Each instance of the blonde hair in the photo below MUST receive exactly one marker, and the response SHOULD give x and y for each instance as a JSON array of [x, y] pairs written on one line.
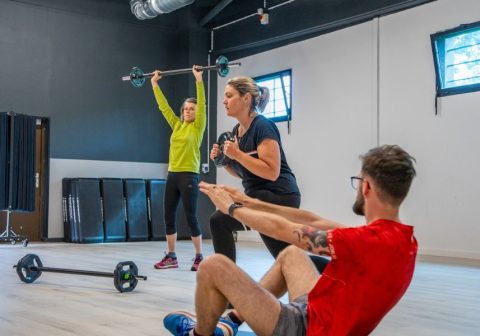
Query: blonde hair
[[188, 100], [260, 94]]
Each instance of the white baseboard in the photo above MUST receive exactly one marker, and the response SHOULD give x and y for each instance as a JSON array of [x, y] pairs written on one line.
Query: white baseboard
[[449, 253]]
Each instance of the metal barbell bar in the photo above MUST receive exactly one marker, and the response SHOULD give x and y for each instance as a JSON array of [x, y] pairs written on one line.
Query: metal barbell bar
[[222, 66], [30, 267]]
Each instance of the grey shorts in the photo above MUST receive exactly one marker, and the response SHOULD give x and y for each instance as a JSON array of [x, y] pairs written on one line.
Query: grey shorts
[[293, 318]]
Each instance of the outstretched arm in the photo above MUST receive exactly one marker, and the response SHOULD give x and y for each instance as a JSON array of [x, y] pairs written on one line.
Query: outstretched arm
[[162, 102], [270, 224], [201, 116], [306, 237], [293, 214]]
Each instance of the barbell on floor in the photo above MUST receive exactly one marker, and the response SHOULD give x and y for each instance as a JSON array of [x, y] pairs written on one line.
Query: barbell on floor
[[222, 66], [125, 276]]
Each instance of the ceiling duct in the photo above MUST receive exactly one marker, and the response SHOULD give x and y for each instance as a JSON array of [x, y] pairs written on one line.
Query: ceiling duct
[[148, 9]]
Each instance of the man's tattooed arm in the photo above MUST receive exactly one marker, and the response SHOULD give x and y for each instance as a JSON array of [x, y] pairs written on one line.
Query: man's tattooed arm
[[312, 240]]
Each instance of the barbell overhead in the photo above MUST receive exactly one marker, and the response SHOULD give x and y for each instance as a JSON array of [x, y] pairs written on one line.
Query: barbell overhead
[[125, 276], [222, 66]]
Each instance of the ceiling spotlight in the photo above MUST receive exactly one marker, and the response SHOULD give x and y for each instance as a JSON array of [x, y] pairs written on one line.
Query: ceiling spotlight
[[263, 14]]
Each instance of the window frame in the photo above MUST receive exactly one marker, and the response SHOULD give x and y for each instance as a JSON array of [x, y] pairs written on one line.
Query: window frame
[[438, 64], [274, 75]]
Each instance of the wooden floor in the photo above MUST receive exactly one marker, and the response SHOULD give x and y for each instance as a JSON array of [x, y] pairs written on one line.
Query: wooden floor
[[443, 299]]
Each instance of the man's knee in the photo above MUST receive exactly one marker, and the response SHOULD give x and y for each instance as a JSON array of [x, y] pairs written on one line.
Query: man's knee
[[214, 264], [290, 253]]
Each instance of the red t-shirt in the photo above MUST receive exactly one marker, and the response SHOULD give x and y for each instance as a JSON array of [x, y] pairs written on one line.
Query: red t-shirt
[[370, 270]]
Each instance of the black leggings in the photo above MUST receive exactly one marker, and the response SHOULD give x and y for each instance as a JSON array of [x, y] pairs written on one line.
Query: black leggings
[[222, 227], [184, 185]]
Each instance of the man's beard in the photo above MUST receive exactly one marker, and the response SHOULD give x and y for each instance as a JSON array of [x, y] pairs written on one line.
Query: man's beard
[[359, 205]]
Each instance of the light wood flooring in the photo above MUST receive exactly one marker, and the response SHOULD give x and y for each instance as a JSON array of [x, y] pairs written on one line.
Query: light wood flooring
[[443, 299]]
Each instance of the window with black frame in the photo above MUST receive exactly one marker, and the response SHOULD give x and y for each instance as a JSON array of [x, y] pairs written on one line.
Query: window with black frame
[[456, 54], [279, 84]]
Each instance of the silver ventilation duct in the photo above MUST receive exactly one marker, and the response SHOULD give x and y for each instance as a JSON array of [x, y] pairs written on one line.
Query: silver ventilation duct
[[148, 9]]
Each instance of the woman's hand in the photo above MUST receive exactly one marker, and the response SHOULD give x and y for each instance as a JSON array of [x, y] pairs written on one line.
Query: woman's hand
[[156, 76], [231, 149], [197, 73], [214, 151]]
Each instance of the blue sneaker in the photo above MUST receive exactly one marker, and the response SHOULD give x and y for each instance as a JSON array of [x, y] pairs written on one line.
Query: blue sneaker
[[181, 323]]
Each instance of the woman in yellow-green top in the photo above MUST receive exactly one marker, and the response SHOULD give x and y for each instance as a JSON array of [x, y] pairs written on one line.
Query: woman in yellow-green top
[[183, 166]]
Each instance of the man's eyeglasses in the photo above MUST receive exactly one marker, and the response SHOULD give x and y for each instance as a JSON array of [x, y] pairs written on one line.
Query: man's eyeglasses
[[355, 181]]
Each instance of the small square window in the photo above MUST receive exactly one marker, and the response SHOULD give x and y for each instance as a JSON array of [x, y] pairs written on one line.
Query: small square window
[[456, 54], [279, 85]]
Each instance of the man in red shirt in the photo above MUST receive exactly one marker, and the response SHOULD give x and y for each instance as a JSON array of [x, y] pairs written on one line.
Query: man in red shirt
[[371, 266]]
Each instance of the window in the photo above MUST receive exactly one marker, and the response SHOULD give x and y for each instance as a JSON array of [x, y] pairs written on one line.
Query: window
[[280, 86], [456, 54]]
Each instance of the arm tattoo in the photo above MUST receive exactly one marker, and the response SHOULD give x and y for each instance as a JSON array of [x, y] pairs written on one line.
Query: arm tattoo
[[312, 239]]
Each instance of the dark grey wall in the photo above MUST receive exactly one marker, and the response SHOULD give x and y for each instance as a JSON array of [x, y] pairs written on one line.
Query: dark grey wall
[[64, 60]]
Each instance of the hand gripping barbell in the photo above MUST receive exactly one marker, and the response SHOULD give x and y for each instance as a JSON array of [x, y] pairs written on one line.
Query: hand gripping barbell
[[125, 276], [222, 65]]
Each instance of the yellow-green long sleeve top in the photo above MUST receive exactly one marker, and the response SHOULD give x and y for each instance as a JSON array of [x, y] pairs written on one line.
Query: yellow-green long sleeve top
[[186, 138]]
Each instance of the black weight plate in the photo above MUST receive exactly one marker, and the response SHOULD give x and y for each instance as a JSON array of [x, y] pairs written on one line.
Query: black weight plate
[[137, 77], [222, 66], [24, 268], [125, 276]]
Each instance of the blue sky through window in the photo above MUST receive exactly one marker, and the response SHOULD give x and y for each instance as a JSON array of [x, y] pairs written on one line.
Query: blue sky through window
[[457, 59], [280, 86]]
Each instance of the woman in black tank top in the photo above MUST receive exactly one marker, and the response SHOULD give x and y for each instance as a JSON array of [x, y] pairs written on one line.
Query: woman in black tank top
[[258, 159]]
